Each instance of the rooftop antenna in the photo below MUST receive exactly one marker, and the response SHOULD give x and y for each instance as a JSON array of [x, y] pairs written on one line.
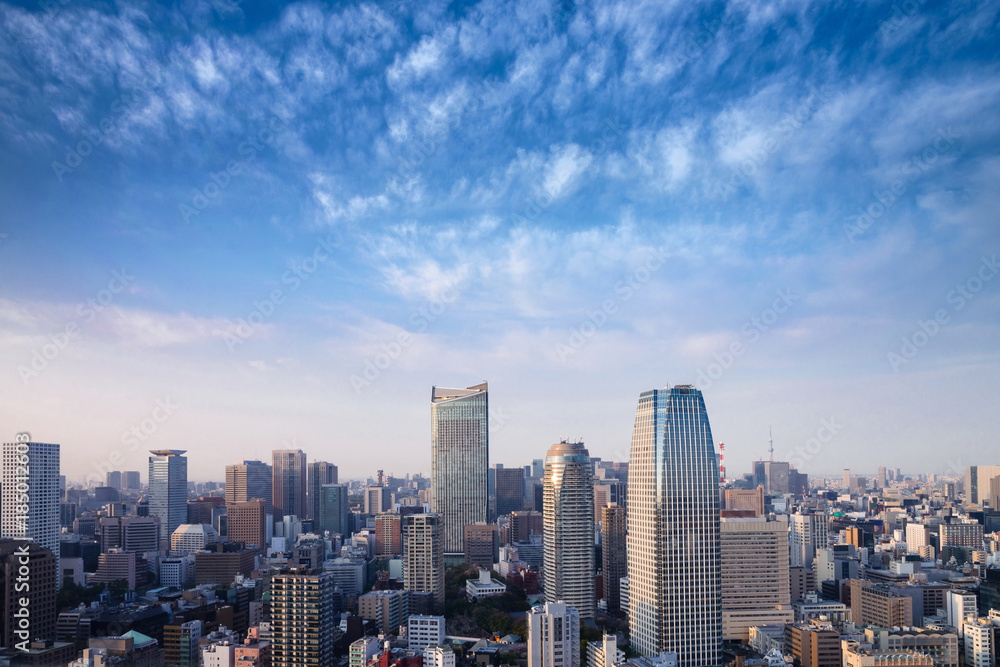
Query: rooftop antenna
[[770, 440]]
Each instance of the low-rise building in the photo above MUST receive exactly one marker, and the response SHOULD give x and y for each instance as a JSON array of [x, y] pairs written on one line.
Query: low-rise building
[[484, 586]]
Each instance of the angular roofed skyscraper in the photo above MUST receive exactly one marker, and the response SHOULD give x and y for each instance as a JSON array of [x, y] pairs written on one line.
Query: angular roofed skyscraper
[[459, 460], [674, 567], [168, 490]]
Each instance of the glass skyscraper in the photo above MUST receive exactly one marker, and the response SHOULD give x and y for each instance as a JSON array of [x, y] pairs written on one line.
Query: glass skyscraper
[[168, 490], [569, 527], [674, 566], [248, 481], [459, 460], [288, 487]]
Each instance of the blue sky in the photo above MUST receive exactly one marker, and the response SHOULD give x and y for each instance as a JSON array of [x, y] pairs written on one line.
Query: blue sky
[[286, 224]]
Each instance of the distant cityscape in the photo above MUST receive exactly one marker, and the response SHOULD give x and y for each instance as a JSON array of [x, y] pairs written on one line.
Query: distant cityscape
[[663, 560]]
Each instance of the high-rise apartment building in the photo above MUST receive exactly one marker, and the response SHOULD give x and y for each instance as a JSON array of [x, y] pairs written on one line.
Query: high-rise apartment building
[[964, 535], [288, 488], [755, 582], [319, 474], [17, 558], [388, 535], [246, 522], [29, 494], [674, 585], [247, 481], [303, 620], [423, 554], [482, 544], [614, 554], [168, 490], [459, 460], [568, 573], [510, 490], [807, 532], [977, 483], [553, 636], [334, 510]]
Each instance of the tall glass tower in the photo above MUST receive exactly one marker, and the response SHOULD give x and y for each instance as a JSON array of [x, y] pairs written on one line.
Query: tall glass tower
[[674, 566], [568, 503], [459, 460], [168, 490], [288, 484]]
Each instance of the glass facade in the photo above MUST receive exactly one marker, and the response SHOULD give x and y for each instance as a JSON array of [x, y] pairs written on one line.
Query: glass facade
[[168, 489], [673, 529], [459, 460]]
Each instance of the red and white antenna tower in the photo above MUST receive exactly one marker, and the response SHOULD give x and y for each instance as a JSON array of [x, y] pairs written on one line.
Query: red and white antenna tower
[[722, 462]]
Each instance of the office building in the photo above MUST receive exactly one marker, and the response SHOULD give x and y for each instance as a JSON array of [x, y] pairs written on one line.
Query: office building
[[614, 554], [303, 620], [288, 484], [180, 643], [423, 631], [879, 605], [856, 656], [131, 480], [246, 522], [674, 568], [959, 605], [193, 537], [117, 565], [129, 533], [755, 582], [248, 481], [977, 483], [423, 554], [745, 499], [334, 510], [459, 460], [438, 656], [348, 574], [941, 646], [41, 603], [980, 642], [482, 544], [802, 580], [168, 490], [553, 636], [114, 479], [387, 609], [221, 563], [29, 504], [962, 535], [813, 644], [510, 490], [377, 499], [521, 526], [318, 474], [807, 532], [568, 573], [363, 650], [605, 652], [917, 537]]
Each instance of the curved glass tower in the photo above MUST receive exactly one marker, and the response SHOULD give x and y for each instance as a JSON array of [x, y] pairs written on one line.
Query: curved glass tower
[[674, 567], [568, 503]]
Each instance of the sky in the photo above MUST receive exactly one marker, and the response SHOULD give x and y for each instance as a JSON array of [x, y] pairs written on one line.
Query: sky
[[231, 227]]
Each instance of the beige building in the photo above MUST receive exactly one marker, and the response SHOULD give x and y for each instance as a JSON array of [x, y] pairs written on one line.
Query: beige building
[[423, 554], [813, 644], [755, 582], [857, 657], [745, 499], [942, 647], [246, 522], [879, 606]]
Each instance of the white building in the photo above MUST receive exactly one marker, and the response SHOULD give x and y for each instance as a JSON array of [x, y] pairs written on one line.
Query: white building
[[438, 656], [363, 650], [959, 605], [623, 593], [193, 537], [222, 654], [979, 642], [604, 653], [917, 537], [424, 631], [553, 636], [806, 534], [29, 494], [484, 586], [176, 571]]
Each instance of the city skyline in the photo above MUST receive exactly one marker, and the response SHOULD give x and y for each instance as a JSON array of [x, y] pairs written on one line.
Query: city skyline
[[287, 218]]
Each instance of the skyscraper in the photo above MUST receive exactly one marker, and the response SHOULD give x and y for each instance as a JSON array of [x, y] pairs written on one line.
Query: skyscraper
[[755, 582], [246, 522], [334, 510], [553, 636], [459, 460], [423, 554], [569, 527], [130, 479], [674, 595], [29, 496], [613, 553], [807, 533], [247, 481], [510, 490], [168, 490], [977, 483], [114, 479], [319, 473], [288, 488], [303, 618]]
